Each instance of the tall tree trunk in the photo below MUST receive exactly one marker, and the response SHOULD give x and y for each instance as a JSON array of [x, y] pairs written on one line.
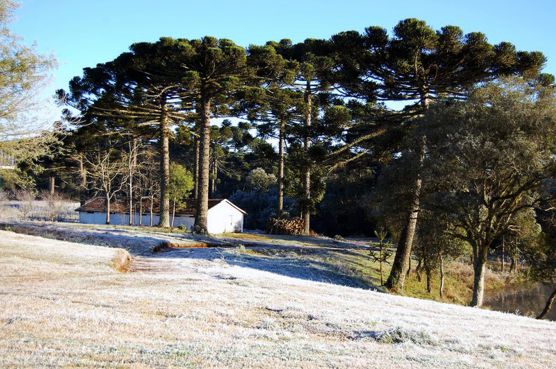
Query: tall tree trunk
[[173, 212], [306, 211], [164, 168], [151, 210], [82, 172], [403, 251], [396, 279], [196, 174], [52, 184], [441, 288], [281, 166], [548, 305], [214, 176], [503, 255], [201, 215], [479, 268], [107, 209], [131, 169], [141, 211], [82, 179]]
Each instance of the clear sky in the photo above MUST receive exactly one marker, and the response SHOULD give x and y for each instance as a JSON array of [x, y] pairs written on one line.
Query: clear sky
[[81, 33]]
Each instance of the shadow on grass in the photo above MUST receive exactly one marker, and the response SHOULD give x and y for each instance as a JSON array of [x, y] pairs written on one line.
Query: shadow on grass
[[290, 260], [289, 265]]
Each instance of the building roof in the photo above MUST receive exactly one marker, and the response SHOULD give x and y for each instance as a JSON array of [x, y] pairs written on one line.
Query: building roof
[[98, 204]]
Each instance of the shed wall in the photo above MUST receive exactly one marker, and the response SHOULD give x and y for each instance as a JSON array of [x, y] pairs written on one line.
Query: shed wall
[[224, 218], [123, 219]]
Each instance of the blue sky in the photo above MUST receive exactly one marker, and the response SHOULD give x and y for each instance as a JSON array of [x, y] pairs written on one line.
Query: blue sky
[[81, 33]]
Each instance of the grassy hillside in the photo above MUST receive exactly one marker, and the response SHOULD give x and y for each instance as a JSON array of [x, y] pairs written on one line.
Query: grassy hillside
[[64, 305]]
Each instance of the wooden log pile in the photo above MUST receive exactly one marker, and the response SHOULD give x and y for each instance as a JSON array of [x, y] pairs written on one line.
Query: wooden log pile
[[290, 226]]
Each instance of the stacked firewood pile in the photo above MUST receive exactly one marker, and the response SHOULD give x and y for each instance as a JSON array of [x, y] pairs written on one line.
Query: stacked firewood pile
[[293, 226]]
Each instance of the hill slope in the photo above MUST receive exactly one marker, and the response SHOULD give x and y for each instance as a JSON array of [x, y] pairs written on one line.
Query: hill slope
[[63, 305]]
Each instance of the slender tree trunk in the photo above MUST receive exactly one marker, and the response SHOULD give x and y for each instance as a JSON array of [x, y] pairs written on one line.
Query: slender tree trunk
[[380, 266], [503, 255], [130, 184], [403, 251], [428, 273], [173, 212], [418, 270], [441, 288], [396, 279], [548, 305], [479, 268], [281, 166], [164, 168], [141, 211], [196, 174], [306, 211], [201, 215], [107, 209], [82, 172], [52, 184], [214, 176], [152, 204], [131, 167], [512, 264]]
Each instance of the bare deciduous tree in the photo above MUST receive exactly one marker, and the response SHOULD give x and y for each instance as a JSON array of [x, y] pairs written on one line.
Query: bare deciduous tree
[[107, 174]]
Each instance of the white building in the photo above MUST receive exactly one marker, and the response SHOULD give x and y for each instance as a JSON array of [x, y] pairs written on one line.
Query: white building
[[223, 215]]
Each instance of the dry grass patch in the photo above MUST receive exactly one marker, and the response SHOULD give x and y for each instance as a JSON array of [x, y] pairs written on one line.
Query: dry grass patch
[[168, 245], [247, 236]]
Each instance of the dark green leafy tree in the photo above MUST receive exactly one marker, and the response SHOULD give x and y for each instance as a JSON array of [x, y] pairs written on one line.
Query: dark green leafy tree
[[488, 158], [418, 66]]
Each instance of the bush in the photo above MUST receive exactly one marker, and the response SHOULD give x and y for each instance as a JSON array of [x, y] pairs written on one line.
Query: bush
[[27, 202], [56, 206]]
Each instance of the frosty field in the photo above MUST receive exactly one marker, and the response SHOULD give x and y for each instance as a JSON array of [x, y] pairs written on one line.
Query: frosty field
[[63, 305]]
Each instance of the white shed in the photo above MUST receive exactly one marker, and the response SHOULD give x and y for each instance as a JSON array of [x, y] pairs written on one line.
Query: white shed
[[223, 215]]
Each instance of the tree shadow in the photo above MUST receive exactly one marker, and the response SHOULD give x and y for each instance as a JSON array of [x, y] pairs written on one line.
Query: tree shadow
[[293, 267], [282, 262]]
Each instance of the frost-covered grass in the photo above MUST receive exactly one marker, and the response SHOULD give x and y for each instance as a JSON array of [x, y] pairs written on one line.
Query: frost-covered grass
[[63, 305], [55, 208], [343, 261]]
